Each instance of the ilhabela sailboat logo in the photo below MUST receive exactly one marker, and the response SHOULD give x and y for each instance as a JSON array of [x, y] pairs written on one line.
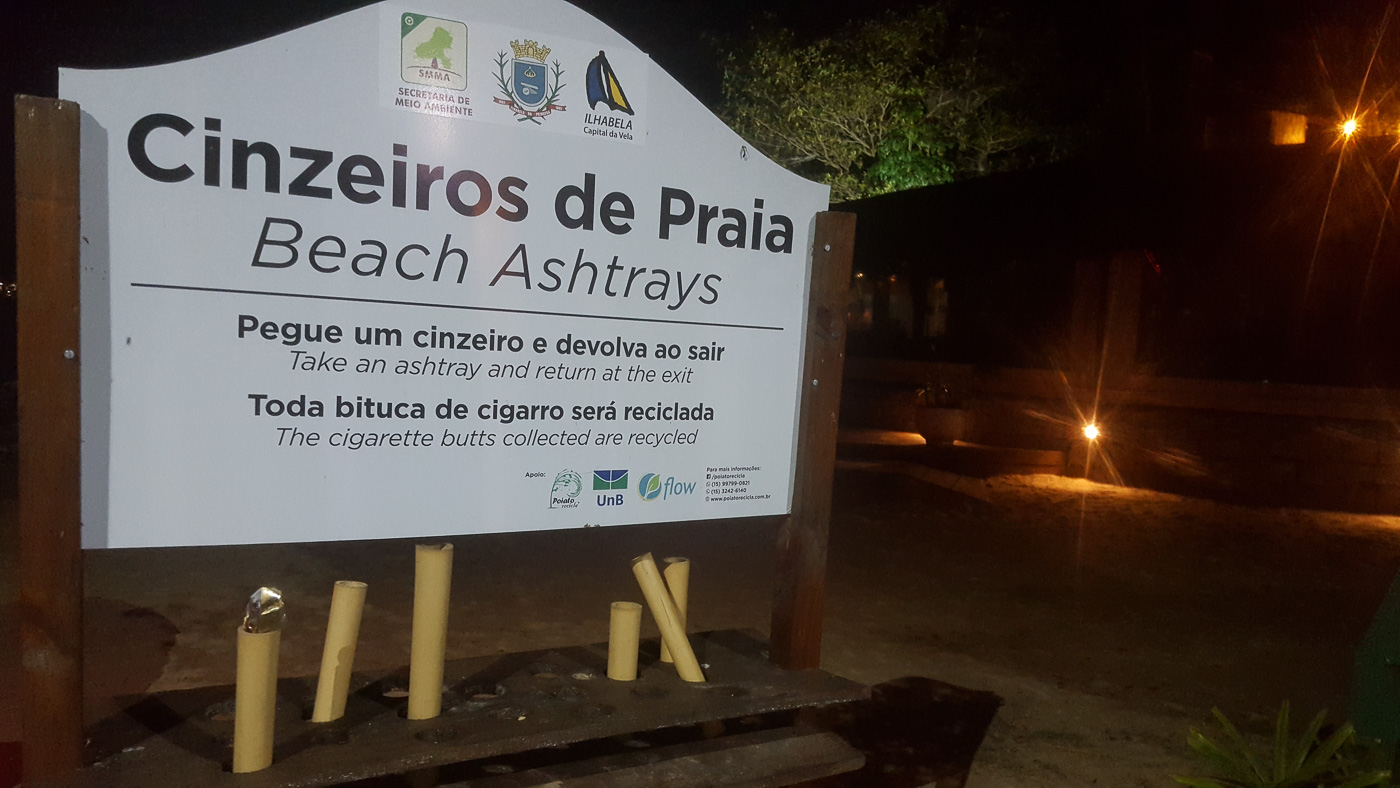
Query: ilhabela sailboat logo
[[603, 86], [434, 51]]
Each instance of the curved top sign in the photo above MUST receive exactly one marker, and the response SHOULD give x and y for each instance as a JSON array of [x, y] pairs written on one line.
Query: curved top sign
[[430, 269]]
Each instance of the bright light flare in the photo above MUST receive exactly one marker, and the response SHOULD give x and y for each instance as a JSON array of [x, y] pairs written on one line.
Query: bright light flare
[[1091, 431], [1349, 128]]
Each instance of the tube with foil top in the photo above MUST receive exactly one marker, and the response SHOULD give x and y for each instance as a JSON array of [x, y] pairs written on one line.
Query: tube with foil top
[[265, 611], [338, 656], [255, 694], [432, 589], [668, 620], [677, 574]]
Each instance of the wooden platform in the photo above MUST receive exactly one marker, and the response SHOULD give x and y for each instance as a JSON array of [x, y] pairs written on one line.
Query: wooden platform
[[973, 460], [758, 759], [878, 445], [492, 706], [982, 462]]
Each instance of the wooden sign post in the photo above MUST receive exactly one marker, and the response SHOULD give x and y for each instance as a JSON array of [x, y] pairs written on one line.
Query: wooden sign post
[[51, 588], [51, 561], [800, 583]]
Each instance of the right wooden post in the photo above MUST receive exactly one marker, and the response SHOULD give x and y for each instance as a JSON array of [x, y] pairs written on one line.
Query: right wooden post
[[800, 580]]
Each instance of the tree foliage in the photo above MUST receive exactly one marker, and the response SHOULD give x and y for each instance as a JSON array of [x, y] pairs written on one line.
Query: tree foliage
[[902, 101]]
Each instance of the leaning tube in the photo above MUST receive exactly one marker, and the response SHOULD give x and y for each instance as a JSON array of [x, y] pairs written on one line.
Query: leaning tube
[[677, 575], [338, 656], [432, 588], [668, 620]]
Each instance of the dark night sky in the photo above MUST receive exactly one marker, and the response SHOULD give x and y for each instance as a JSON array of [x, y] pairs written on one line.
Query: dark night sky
[[1135, 53], [1103, 36]]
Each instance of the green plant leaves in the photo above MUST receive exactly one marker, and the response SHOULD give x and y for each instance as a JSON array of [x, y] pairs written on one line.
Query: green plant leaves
[[1306, 763], [1309, 736], [1281, 734], [1239, 766]]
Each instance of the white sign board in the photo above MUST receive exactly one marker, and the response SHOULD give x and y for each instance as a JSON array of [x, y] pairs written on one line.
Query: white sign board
[[430, 269]]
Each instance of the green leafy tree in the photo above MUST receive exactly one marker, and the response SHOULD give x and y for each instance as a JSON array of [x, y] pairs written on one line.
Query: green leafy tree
[[902, 101], [435, 48]]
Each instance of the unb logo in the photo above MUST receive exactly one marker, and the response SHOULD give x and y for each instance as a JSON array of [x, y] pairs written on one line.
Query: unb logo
[[610, 480], [434, 51]]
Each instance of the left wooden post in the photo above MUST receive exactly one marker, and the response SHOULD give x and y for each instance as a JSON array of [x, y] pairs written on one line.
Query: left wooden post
[[50, 543]]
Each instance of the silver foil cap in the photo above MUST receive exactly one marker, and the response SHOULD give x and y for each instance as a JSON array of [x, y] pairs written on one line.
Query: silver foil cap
[[265, 612]]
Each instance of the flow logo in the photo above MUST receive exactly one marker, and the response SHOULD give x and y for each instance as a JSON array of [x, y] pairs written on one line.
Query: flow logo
[[652, 487]]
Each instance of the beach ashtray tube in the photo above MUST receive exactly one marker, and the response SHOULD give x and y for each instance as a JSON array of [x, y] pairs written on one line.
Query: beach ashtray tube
[[624, 636], [338, 656], [255, 694], [677, 575], [668, 619], [432, 589]]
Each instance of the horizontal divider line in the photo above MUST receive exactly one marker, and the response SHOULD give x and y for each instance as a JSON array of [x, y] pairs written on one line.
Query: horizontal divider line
[[318, 297]]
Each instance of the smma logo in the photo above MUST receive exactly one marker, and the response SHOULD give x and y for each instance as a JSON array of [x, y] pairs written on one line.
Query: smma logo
[[652, 487], [607, 481], [434, 51]]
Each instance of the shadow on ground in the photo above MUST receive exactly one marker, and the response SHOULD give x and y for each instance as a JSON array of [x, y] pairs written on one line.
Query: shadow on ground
[[914, 731]]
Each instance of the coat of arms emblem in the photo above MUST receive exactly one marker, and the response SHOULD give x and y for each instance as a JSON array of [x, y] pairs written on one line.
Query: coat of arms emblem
[[531, 86]]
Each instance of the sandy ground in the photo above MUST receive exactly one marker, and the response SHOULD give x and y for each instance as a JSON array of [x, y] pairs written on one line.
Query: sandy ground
[[1107, 619]]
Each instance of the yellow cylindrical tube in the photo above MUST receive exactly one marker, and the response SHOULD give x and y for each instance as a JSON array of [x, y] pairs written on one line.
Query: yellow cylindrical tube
[[255, 700], [338, 656], [624, 633], [432, 587], [677, 574], [668, 620]]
